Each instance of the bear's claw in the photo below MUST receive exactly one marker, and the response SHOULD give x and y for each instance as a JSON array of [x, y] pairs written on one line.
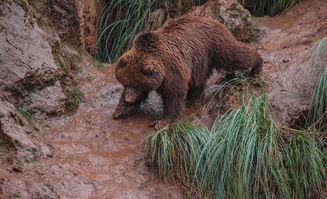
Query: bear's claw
[[160, 124]]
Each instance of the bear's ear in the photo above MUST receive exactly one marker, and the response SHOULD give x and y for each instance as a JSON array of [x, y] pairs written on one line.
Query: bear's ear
[[147, 69], [146, 41]]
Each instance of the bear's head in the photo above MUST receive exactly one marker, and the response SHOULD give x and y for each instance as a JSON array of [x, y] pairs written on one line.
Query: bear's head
[[140, 69]]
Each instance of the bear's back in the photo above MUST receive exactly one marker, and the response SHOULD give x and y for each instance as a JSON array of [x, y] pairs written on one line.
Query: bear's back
[[209, 40], [195, 24]]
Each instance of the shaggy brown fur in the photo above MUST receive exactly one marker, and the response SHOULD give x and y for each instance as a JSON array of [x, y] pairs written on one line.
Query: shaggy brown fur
[[177, 59]]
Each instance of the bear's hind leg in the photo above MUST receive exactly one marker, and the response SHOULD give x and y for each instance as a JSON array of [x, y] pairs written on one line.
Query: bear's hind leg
[[255, 71], [194, 94]]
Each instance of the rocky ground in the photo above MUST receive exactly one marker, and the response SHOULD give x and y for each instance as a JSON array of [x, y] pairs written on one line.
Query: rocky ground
[[50, 149]]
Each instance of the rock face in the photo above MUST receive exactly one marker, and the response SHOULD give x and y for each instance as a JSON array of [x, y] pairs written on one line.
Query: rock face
[[27, 65], [233, 15], [89, 14], [66, 21], [25, 51], [14, 130], [229, 12], [28, 84], [76, 21]]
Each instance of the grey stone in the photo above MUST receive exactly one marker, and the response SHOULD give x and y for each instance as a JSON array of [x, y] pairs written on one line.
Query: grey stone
[[50, 100], [24, 50], [233, 15]]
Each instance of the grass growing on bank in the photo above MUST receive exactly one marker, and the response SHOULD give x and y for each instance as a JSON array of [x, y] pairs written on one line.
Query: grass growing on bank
[[268, 7], [306, 166], [122, 19], [245, 155], [26, 114], [120, 22], [176, 151], [317, 116], [75, 97]]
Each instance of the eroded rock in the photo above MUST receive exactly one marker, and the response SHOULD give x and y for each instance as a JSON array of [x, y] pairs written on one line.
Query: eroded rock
[[49, 100], [233, 15], [27, 65], [26, 56], [76, 21], [14, 130]]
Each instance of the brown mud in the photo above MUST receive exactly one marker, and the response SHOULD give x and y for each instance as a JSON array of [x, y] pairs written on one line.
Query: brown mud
[[93, 156], [287, 48]]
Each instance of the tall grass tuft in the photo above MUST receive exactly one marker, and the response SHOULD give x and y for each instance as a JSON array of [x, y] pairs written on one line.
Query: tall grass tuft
[[122, 19], [268, 7], [245, 156], [317, 116], [306, 166], [176, 151]]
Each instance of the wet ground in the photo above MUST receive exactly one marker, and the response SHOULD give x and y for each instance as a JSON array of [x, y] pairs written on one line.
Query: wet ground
[[287, 48], [92, 156]]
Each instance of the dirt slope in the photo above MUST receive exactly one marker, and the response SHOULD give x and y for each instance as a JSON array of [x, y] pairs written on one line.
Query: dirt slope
[[287, 48]]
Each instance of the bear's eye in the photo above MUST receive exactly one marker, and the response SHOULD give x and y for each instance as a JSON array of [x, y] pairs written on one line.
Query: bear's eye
[[121, 63], [147, 70]]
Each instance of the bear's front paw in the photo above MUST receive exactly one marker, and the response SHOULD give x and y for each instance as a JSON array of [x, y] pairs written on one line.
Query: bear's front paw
[[117, 115], [160, 124]]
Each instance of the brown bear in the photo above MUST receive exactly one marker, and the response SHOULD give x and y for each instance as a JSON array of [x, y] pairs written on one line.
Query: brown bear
[[176, 60]]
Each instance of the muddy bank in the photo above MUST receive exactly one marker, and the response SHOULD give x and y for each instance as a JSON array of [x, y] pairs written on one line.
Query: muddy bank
[[89, 155], [287, 49]]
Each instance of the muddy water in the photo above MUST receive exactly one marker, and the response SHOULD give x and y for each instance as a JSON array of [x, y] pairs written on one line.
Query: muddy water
[[107, 154], [93, 156]]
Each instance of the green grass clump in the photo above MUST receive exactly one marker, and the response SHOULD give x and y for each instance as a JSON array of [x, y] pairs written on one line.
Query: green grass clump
[[176, 151], [317, 116], [122, 19], [26, 114], [268, 7], [75, 97], [99, 65], [245, 156], [306, 166]]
